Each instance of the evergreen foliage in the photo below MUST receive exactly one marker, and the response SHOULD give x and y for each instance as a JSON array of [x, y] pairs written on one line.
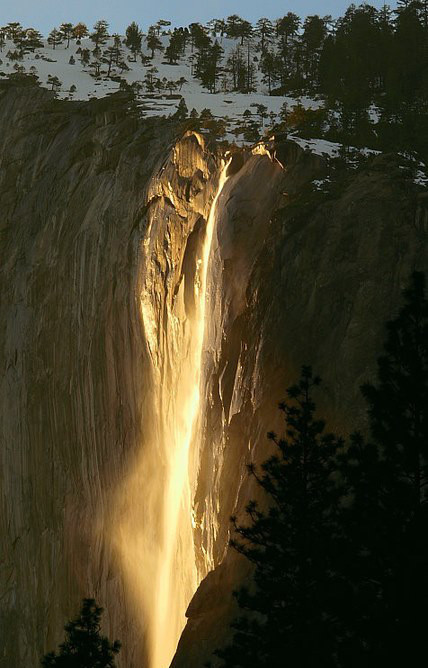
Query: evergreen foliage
[[134, 37], [31, 40], [13, 30], [387, 554], [54, 82], [55, 38], [100, 34], [264, 29], [153, 42], [66, 32], [341, 554], [80, 31], [242, 70], [182, 111], [207, 63], [291, 613], [369, 66], [175, 47], [84, 646], [113, 55]]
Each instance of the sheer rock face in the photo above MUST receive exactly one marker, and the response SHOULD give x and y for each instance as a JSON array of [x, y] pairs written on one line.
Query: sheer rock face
[[80, 186], [317, 288]]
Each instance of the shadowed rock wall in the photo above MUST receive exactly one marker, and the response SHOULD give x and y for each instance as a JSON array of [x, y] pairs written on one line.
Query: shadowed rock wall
[[316, 287]]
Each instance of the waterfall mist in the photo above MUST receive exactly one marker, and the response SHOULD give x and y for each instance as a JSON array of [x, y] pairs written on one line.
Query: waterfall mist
[[155, 534]]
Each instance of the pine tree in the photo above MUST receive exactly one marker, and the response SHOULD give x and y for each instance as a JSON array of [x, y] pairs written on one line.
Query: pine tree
[[407, 74], [244, 30], [290, 609], [66, 31], [85, 57], [134, 37], [117, 47], [174, 48], [207, 65], [15, 55], [264, 29], [232, 26], [314, 34], [55, 38], [199, 37], [96, 64], [100, 34], [111, 56], [423, 11], [150, 78], [387, 546], [80, 31], [269, 66], [403, 4], [182, 111], [171, 86], [14, 30], [262, 112], [84, 646], [237, 66], [181, 82], [32, 40], [398, 405], [54, 82], [160, 25], [288, 26], [219, 27], [153, 42]]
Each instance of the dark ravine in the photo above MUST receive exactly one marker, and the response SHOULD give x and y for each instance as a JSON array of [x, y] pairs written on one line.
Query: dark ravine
[[296, 279]]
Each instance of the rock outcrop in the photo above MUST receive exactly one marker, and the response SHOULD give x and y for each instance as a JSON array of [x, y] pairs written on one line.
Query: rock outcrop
[[99, 211], [321, 280], [77, 194]]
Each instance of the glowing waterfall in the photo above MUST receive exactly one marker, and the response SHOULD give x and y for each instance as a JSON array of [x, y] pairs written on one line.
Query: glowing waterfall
[[155, 536]]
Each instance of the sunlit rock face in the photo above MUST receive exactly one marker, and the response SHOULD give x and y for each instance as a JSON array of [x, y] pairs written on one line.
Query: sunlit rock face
[[72, 201], [80, 186], [153, 531], [156, 299]]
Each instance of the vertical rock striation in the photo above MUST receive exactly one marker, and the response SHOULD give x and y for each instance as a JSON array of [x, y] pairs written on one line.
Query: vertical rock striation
[[300, 279], [80, 185], [102, 228]]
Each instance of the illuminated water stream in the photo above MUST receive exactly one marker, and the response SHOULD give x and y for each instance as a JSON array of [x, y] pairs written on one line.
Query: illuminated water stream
[[155, 537]]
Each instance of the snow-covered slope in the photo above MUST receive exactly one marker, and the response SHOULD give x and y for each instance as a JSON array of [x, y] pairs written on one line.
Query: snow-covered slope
[[78, 82], [223, 104]]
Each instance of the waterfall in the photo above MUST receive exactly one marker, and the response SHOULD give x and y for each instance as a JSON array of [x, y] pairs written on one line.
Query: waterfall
[[155, 533]]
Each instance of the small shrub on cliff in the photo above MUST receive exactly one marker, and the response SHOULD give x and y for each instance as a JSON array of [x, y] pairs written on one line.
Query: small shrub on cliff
[[182, 111], [84, 646]]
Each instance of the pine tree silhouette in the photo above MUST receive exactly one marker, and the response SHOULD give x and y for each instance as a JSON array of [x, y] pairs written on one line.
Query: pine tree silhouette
[[341, 553], [290, 612], [398, 404], [84, 646], [387, 546]]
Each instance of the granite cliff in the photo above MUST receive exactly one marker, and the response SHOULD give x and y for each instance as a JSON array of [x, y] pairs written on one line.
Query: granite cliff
[[103, 227]]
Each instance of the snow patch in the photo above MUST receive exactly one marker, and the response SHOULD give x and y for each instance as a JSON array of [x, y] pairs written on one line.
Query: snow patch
[[48, 62]]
